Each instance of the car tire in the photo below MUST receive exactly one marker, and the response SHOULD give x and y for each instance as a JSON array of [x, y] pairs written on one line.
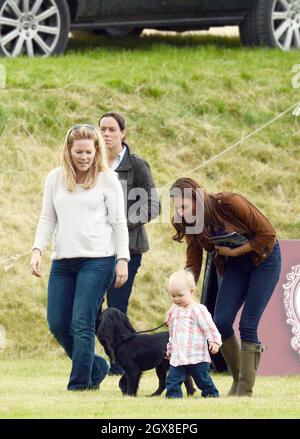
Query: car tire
[[272, 23], [115, 32], [248, 31], [41, 30]]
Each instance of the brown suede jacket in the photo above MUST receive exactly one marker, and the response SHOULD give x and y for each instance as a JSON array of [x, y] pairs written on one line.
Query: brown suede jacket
[[240, 216]]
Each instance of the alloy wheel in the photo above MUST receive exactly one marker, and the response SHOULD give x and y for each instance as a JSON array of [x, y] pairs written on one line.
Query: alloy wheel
[[285, 22], [29, 27]]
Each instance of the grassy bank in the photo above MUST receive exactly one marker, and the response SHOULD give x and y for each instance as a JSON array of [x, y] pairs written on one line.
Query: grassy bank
[[185, 99], [37, 389]]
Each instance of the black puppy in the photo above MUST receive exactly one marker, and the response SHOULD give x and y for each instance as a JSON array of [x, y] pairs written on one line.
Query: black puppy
[[134, 352]]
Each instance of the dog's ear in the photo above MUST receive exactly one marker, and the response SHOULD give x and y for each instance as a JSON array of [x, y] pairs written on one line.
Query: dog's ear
[[125, 327], [105, 331], [114, 328], [129, 330]]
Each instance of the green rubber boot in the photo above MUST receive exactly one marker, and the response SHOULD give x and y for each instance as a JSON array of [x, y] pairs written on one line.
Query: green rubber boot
[[250, 358], [231, 352]]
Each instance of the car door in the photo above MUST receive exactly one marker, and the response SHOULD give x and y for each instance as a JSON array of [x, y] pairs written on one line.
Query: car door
[[196, 7], [151, 9], [178, 8], [128, 9]]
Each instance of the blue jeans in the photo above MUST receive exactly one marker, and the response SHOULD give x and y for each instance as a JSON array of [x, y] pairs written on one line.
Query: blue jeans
[[75, 290], [200, 373], [244, 283], [119, 297]]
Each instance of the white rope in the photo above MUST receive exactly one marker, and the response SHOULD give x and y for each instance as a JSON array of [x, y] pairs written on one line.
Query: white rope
[[296, 112]]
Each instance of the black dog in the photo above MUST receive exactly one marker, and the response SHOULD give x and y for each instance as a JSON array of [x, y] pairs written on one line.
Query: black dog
[[134, 352]]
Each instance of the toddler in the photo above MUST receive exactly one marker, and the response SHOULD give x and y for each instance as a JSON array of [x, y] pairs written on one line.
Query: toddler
[[193, 335]]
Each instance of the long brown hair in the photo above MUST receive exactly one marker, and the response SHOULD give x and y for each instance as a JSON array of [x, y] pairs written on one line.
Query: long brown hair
[[211, 216]]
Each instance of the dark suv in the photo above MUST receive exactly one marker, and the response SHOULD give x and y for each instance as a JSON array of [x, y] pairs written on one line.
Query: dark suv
[[41, 27]]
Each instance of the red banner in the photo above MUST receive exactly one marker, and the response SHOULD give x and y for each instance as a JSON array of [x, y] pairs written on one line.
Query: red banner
[[279, 329]]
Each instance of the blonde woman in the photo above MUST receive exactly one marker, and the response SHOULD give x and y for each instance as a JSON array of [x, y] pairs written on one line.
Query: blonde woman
[[83, 207]]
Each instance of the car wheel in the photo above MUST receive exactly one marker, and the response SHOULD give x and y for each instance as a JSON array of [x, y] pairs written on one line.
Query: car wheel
[[115, 32], [248, 31], [273, 23], [33, 28]]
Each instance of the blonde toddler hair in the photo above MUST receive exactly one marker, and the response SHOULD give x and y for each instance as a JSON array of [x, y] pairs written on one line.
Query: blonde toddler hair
[[185, 275]]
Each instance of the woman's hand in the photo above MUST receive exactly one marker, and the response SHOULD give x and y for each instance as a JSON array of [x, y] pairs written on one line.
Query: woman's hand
[[226, 251], [121, 273], [36, 263], [237, 251], [213, 347]]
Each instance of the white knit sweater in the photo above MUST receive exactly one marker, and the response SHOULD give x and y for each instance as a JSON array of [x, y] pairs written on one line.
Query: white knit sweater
[[86, 223]]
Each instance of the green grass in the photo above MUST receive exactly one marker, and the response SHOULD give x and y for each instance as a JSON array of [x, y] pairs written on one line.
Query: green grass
[[36, 388], [185, 98]]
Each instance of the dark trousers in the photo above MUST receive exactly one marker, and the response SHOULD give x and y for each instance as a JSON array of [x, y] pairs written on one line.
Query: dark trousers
[[200, 373], [244, 283], [75, 290], [119, 297]]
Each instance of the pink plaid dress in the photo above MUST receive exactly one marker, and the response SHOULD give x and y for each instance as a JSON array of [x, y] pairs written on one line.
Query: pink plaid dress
[[190, 329]]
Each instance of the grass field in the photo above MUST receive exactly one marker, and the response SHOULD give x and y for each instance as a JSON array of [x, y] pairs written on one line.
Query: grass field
[[36, 388], [186, 99]]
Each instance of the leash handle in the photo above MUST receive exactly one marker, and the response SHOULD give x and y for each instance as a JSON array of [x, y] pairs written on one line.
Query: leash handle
[[151, 330]]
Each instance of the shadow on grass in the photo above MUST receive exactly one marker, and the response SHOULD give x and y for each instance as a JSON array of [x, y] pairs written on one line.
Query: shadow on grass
[[81, 42]]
